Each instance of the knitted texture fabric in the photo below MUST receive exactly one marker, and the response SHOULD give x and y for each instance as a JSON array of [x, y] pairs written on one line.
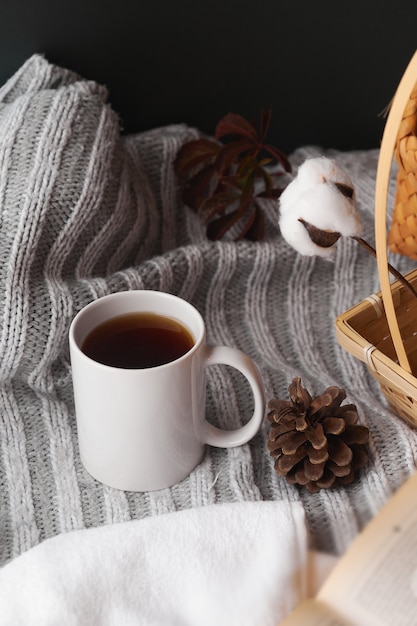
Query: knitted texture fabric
[[86, 211]]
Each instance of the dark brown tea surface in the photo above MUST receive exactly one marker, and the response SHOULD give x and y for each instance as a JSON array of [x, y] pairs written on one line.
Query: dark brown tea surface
[[138, 341]]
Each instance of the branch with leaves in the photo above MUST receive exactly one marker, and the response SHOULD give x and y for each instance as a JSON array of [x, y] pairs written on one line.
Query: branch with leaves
[[222, 178]]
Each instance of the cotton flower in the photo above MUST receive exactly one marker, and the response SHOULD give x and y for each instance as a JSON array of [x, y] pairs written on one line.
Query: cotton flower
[[318, 207]]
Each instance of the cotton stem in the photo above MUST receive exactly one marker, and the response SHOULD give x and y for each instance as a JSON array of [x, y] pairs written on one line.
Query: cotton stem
[[392, 269]]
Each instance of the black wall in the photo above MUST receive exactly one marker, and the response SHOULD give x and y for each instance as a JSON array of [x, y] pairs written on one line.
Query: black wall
[[326, 68]]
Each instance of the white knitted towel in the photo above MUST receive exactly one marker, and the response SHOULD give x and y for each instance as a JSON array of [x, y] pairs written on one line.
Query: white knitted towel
[[241, 564], [85, 211]]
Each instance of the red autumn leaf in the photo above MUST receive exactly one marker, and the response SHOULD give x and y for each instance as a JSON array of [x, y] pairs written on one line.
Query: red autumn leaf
[[228, 154], [234, 124], [265, 121], [279, 156], [248, 188], [199, 187], [254, 229], [221, 180], [218, 227], [193, 154], [217, 203], [230, 182]]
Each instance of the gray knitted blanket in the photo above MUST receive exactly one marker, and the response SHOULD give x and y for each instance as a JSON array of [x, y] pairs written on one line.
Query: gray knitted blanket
[[85, 211]]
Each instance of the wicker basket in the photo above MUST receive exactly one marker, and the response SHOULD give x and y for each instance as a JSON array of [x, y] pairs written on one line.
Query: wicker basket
[[381, 331], [402, 236]]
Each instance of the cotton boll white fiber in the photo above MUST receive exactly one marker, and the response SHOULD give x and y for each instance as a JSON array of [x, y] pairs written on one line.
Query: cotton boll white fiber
[[319, 170], [314, 197]]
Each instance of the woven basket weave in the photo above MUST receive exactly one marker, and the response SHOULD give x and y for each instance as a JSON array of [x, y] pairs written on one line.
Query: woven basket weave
[[402, 237], [381, 331]]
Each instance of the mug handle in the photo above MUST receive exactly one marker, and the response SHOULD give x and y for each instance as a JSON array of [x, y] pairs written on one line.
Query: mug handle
[[214, 436]]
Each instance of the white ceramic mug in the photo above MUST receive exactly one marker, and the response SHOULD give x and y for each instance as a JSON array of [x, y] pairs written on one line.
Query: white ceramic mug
[[145, 429]]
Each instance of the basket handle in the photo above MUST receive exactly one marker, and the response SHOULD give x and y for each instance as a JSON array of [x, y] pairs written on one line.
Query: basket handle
[[388, 143]]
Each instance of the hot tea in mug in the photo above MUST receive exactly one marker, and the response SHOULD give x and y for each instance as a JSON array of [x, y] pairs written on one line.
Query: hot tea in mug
[[138, 361], [138, 340]]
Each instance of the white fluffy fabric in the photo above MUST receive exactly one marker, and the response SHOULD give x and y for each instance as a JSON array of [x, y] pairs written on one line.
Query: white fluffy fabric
[[313, 197], [242, 563]]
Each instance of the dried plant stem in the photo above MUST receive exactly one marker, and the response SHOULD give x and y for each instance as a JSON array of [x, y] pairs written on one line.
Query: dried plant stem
[[392, 269]]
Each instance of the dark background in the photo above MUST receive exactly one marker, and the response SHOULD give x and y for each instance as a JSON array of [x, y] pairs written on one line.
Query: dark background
[[326, 68]]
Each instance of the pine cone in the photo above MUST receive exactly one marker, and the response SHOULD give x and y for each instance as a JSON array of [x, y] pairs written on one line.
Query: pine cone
[[316, 442]]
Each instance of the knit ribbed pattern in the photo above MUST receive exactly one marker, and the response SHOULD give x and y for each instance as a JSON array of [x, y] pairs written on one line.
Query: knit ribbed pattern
[[86, 211]]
